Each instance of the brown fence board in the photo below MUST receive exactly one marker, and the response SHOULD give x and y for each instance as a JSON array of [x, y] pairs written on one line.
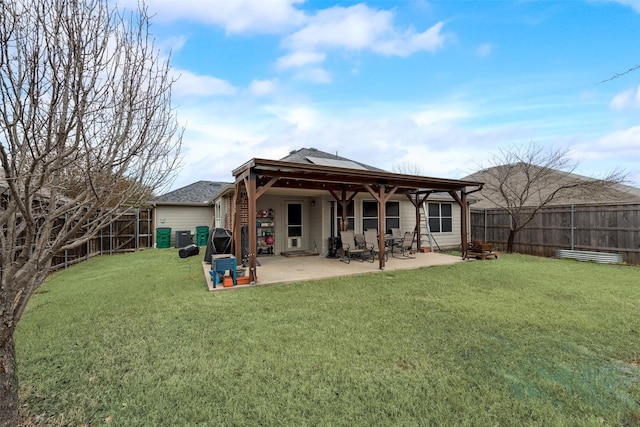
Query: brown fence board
[[127, 234], [606, 228]]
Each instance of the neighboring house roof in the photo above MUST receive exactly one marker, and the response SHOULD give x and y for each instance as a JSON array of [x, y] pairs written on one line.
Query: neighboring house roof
[[317, 157], [614, 193], [198, 193]]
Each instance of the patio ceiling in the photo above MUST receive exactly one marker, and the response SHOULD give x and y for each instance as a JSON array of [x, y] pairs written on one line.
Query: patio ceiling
[[258, 175], [319, 177]]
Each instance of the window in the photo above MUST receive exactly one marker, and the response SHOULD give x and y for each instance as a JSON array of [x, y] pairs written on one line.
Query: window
[[370, 215], [392, 216], [440, 217], [351, 221], [218, 213]]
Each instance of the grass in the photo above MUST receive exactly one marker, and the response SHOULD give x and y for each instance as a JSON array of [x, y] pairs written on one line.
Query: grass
[[137, 340]]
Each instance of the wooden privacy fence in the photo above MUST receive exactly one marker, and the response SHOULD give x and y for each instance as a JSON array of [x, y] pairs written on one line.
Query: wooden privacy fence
[[605, 228], [129, 233]]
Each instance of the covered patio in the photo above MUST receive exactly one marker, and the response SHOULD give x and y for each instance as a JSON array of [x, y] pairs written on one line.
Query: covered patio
[[258, 176], [280, 269]]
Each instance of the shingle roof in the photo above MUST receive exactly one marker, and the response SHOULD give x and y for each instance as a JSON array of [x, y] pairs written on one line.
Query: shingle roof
[[302, 155], [198, 192], [616, 193]]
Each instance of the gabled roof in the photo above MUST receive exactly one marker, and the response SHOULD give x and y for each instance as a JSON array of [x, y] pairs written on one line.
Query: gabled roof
[[615, 193], [317, 157], [198, 193]]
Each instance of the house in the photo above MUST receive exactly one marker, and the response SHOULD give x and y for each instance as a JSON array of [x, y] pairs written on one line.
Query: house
[[203, 203], [299, 203], [551, 180]]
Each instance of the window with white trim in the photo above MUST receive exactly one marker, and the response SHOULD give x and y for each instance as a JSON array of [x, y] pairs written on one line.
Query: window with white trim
[[370, 215], [351, 219], [440, 217], [218, 213]]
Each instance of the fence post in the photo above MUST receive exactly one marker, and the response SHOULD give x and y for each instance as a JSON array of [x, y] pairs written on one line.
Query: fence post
[[137, 232], [572, 228], [485, 225]]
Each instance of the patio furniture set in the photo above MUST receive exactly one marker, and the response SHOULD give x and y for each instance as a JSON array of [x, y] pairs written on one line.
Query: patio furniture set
[[364, 246]]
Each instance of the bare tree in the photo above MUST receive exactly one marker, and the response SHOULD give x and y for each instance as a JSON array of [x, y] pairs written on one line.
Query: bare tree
[[86, 131], [407, 168], [524, 180]]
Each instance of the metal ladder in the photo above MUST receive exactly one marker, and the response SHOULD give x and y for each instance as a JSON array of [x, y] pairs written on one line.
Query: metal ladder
[[424, 225]]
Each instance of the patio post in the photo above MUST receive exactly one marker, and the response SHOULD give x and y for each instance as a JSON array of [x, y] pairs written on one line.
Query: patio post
[[463, 220], [462, 201], [250, 183], [381, 226], [236, 239], [382, 196]]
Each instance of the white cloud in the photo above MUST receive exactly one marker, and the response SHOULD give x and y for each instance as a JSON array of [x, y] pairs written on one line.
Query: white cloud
[[235, 16], [299, 59], [626, 100], [315, 75], [263, 87], [190, 84], [409, 42], [172, 44], [616, 150], [355, 28], [440, 114], [621, 142], [304, 118]]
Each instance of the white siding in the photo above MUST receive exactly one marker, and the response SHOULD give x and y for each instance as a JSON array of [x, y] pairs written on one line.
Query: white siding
[[314, 226], [180, 218], [317, 219], [450, 239]]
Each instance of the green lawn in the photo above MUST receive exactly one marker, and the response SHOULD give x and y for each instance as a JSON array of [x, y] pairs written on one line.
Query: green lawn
[[137, 340]]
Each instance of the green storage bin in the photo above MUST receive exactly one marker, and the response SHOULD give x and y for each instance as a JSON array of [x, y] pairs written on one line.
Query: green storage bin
[[202, 235], [163, 237]]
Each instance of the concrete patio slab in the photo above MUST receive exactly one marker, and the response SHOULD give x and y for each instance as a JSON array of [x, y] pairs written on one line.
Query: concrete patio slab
[[280, 269]]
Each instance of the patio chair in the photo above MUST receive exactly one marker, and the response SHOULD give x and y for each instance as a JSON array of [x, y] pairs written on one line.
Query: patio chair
[[396, 233], [349, 248], [370, 236], [362, 243], [406, 245]]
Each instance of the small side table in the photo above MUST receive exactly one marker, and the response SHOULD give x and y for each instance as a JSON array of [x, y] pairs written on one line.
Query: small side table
[[220, 264]]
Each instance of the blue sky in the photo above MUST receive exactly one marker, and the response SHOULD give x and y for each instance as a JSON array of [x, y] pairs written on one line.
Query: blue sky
[[440, 86]]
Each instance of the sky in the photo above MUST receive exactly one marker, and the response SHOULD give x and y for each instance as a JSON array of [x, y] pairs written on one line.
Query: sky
[[439, 87]]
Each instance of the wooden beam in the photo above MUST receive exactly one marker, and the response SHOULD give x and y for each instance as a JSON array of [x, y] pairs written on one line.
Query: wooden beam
[[455, 196], [253, 238], [265, 187], [463, 223], [344, 202], [381, 197], [236, 239], [462, 201]]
